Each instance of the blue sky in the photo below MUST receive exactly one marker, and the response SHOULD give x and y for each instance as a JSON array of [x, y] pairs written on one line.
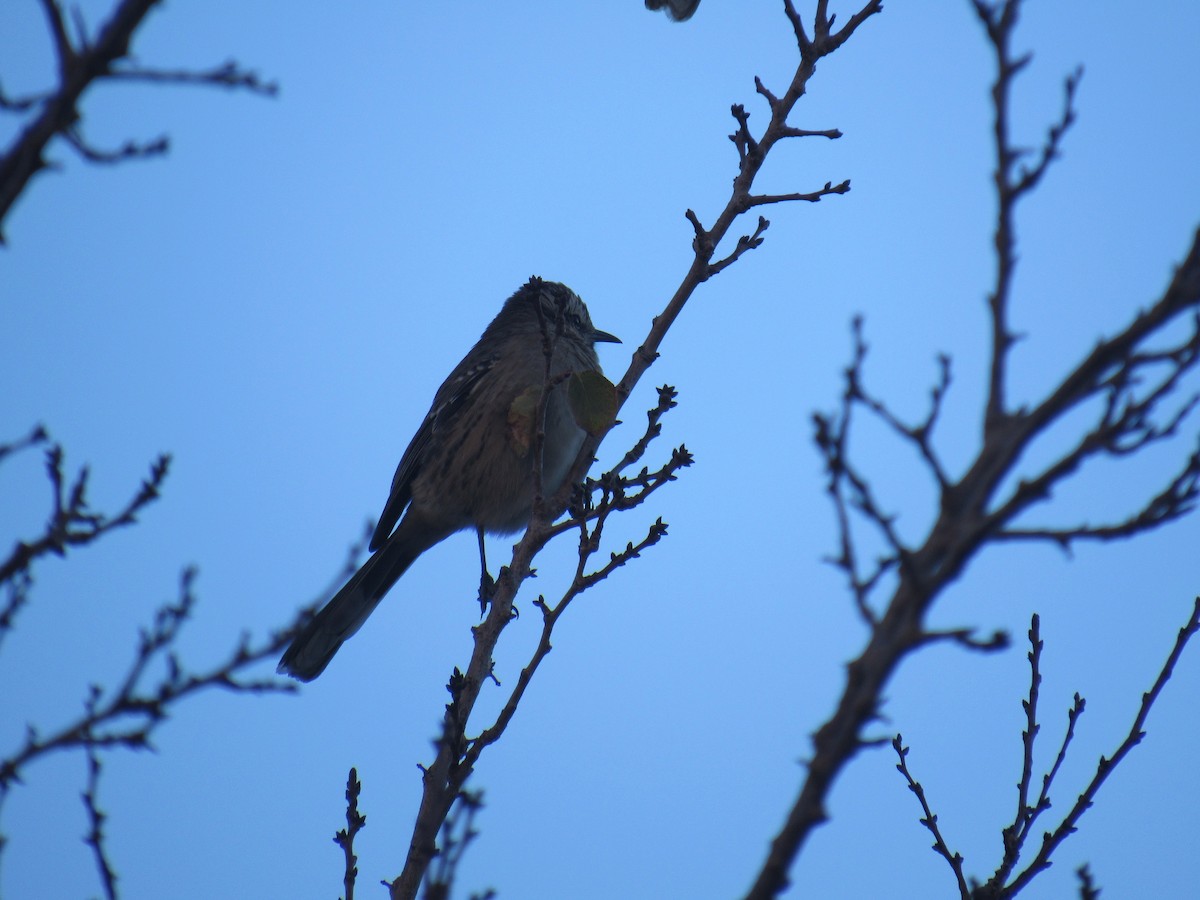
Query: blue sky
[[276, 301]]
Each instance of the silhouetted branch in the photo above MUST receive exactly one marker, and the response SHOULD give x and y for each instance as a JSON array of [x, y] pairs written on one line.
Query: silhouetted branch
[[753, 152], [850, 491], [456, 754], [919, 435], [96, 819], [83, 60], [965, 638], [36, 436], [999, 20], [128, 715], [344, 838], [810, 197], [1025, 813], [127, 151], [71, 522], [744, 243], [666, 402], [1015, 835], [929, 820], [1053, 839], [1176, 500], [227, 75], [443, 779], [458, 832], [1132, 382], [21, 104], [1087, 887]]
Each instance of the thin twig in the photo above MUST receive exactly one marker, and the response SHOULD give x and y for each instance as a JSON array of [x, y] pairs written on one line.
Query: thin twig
[[54, 112], [1053, 839], [344, 837], [96, 819], [929, 820], [1087, 886], [128, 715]]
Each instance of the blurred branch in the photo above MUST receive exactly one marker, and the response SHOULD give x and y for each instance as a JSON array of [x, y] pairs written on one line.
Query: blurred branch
[[227, 75], [82, 61], [458, 832], [999, 20], [37, 435], [96, 818], [1133, 383], [1087, 887], [127, 151]]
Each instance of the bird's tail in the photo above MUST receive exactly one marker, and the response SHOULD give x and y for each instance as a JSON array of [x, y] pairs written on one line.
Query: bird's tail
[[313, 648]]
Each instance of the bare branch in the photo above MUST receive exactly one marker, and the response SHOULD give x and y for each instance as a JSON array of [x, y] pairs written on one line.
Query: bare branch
[[929, 820], [63, 50], [96, 818], [1043, 800], [70, 523], [744, 243], [811, 197], [227, 75], [36, 436], [457, 834], [666, 402], [55, 112], [21, 104], [1087, 887], [831, 133], [127, 151], [1173, 502], [456, 754], [1014, 835], [1052, 840], [965, 638], [802, 40], [1000, 23], [128, 715], [920, 435], [969, 514], [344, 837]]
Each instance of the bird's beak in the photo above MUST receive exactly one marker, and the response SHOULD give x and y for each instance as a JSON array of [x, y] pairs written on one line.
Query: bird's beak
[[603, 337]]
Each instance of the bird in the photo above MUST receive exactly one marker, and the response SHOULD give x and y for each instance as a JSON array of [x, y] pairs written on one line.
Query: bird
[[677, 10], [470, 464]]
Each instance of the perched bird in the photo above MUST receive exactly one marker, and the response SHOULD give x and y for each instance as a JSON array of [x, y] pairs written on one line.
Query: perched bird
[[678, 10], [470, 464]]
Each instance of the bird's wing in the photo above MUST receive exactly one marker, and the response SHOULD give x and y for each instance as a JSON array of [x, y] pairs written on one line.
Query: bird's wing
[[450, 397]]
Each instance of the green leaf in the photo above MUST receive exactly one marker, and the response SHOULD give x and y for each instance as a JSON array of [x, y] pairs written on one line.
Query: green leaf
[[593, 400]]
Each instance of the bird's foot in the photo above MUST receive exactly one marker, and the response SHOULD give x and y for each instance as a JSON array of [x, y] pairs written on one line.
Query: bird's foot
[[487, 590]]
